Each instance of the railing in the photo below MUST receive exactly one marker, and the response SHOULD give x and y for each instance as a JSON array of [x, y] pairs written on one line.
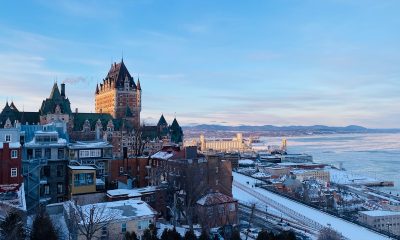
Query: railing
[[309, 222]]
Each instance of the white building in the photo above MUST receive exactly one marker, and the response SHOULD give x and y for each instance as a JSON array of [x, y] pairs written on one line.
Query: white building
[[383, 220]]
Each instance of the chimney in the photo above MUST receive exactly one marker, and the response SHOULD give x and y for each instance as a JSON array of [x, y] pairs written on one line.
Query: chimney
[[76, 110], [62, 89]]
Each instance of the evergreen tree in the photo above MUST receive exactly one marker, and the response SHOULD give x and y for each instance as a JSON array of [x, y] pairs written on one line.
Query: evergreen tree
[[146, 234], [204, 236], [175, 235], [131, 236], [42, 227], [153, 231], [328, 233], [165, 234], [265, 235], [235, 235], [287, 235], [189, 235], [12, 227], [150, 233]]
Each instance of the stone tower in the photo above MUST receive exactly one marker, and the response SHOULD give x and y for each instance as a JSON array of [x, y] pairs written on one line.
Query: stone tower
[[119, 95]]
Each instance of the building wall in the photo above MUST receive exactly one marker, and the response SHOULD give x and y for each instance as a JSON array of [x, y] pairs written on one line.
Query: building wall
[[131, 167], [7, 163], [217, 215], [81, 189], [236, 144], [275, 171], [381, 222], [113, 101], [114, 229], [314, 174], [105, 101], [219, 174]]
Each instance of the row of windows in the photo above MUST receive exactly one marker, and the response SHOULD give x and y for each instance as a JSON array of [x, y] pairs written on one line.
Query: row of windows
[[90, 153], [38, 153], [46, 138], [46, 189], [46, 171], [83, 179]]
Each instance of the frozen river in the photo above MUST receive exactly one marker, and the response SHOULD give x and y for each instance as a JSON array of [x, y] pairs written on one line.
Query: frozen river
[[373, 155]]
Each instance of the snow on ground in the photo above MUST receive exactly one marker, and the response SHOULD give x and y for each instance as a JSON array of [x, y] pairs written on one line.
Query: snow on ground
[[247, 199], [162, 155], [348, 229], [346, 177]]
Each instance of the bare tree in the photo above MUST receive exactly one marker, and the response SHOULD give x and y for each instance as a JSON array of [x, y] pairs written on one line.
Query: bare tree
[[88, 221], [327, 233], [138, 143]]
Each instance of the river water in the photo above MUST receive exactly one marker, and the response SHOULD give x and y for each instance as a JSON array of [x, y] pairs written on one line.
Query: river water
[[373, 155]]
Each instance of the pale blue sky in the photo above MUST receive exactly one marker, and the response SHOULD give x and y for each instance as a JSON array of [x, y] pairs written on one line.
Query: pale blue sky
[[333, 62]]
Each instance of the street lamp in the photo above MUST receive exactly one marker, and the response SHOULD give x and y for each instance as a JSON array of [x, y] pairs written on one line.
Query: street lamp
[[388, 227]]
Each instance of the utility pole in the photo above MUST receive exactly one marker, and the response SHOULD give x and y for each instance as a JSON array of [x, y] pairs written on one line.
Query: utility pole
[[253, 206]]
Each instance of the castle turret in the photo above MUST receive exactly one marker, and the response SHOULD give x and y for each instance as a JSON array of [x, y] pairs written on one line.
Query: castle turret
[[176, 132]]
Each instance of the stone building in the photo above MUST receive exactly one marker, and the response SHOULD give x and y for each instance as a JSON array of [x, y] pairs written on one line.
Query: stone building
[[236, 144], [119, 95]]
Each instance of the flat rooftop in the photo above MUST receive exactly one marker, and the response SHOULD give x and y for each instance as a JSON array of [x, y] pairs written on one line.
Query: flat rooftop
[[380, 213], [126, 209]]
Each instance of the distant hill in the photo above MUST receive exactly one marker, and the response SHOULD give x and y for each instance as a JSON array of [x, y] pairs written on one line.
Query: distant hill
[[315, 129]]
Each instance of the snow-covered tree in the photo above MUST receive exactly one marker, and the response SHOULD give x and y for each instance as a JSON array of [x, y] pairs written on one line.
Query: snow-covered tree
[[12, 227]]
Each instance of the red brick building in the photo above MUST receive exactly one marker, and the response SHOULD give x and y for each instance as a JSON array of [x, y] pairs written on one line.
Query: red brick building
[[216, 209], [10, 163], [134, 169]]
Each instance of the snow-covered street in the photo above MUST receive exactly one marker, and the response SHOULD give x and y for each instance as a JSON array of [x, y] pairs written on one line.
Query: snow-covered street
[[308, 215]]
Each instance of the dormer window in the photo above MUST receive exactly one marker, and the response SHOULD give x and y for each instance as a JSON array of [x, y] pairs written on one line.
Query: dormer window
[[7, 138]]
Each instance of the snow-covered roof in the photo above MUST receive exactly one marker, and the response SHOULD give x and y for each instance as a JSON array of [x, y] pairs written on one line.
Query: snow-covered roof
[[214, 198], [11, 145], [380, 213], [119, 210], [60, 142], [246, 161], [261, 175], [81, 167], [13, 195], [100, 181], [89, 144], [46, 132], [162, 155], [135, 192]]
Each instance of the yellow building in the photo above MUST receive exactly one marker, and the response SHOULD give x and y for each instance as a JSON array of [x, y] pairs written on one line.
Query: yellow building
[[317, 174], [236, 144], [113, 219], [82, 179]]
